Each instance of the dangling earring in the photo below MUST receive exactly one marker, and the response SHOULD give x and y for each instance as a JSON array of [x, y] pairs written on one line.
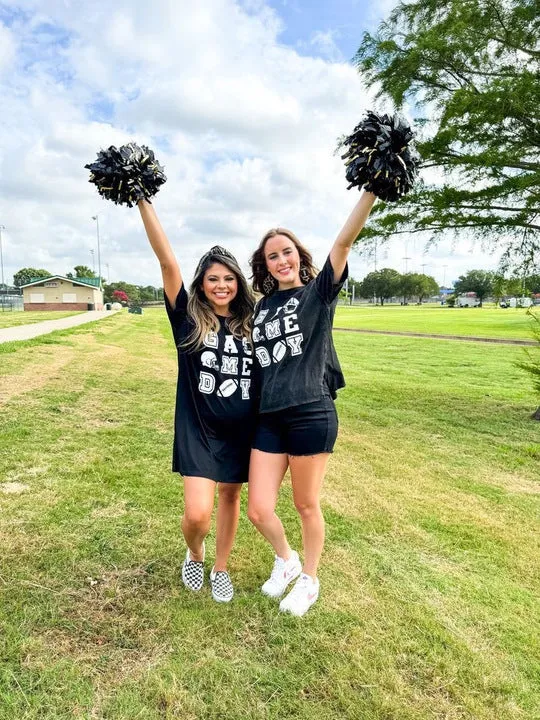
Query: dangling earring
[[269, 284], [305, 277]]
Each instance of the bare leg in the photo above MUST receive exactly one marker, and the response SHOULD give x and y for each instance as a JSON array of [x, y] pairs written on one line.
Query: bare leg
[[266, 471], [228, 512], [307, 473], [198, 506]]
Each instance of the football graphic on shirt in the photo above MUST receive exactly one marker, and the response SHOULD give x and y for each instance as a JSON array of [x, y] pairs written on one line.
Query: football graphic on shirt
[[227, 387], [279, 350]]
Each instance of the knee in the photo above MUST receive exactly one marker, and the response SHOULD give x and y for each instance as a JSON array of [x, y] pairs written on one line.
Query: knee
[[258, 515], [308, 509], [196, 519], [230, 495]]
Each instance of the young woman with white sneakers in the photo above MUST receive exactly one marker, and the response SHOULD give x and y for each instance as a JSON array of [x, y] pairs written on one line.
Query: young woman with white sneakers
[[299, 376], [215, 406]]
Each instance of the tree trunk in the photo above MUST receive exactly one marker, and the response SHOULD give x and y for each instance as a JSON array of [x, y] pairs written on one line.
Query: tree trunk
[[536, 415]]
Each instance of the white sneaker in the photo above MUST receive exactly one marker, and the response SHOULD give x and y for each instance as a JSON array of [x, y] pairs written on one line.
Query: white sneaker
[[304, 593], [283, 573], [193, 572]]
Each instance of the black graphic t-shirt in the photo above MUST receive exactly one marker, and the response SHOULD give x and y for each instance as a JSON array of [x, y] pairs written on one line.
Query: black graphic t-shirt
[[214, 398], [292, 336]]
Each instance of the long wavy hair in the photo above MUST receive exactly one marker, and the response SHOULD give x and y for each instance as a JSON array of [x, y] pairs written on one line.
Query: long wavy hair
[[260, 271], [200, 311]]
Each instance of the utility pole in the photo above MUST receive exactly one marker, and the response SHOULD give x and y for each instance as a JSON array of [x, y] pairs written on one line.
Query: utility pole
[[96, 218], [93, 261], [2, 227]]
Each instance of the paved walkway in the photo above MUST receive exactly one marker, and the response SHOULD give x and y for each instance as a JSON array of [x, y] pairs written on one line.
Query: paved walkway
[[470, 338], [27, 332]]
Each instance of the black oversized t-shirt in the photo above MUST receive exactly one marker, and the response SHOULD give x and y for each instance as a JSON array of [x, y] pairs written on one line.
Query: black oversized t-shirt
[[215, 404], [292, 336]]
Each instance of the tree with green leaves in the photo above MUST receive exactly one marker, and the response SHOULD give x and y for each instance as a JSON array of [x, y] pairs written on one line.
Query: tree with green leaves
[[382, 284], [407, 286], [83, 271], [26, 275], [132, 291], [477, 281], [426, 286], [469, 70], [532, 283]]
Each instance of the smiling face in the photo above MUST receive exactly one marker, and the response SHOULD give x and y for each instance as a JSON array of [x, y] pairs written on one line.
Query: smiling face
[[220, 287], [283, 261]]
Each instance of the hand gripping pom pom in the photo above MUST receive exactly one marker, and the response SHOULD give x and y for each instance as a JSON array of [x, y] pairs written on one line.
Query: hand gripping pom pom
[[126, 174], [380, 156]]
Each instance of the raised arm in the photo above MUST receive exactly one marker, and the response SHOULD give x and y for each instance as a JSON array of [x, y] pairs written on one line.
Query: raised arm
[[350, 231], [170, 270]]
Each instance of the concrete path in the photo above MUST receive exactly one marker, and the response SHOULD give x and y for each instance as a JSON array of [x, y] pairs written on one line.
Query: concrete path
[[503, 341], [27, 332]]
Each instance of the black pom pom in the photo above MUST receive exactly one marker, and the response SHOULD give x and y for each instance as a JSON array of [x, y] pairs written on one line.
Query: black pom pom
[[126, 174], [381, 157]]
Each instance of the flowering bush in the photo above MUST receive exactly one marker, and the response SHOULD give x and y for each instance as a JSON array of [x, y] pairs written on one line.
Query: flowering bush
[[120, 296]]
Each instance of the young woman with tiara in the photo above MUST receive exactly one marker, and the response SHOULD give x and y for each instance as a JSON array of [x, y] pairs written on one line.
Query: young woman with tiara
[[214, 400], [299, 376]]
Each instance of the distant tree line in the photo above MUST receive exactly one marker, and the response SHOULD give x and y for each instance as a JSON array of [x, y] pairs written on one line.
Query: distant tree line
[[388, 283], [496, 285]]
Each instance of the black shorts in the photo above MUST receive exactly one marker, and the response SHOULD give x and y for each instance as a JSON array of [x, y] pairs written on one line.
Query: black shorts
[[302, 430]]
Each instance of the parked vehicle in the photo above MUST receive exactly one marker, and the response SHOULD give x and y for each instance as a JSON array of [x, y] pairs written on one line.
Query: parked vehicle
[[521, 302], [467, 300]]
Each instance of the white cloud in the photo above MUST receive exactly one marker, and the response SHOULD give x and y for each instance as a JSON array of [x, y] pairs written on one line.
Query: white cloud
[[325, 43], [7, 49]]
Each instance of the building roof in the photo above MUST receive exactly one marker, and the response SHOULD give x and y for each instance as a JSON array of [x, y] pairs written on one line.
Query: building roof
[[92, 282]]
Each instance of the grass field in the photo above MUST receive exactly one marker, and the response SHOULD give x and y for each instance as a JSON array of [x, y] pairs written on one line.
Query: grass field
[[480, 322], [430, 591], [12, 319]]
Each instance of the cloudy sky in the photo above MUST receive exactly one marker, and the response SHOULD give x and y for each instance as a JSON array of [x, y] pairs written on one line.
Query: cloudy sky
[[241, 101]]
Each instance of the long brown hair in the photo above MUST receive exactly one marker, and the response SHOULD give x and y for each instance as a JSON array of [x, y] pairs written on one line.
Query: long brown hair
[[258, 261], [200, 311]]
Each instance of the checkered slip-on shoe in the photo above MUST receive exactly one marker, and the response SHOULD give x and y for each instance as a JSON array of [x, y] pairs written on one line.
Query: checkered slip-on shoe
[[222, 589], [193, 572]]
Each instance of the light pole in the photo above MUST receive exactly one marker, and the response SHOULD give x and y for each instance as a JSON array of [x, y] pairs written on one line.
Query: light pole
[[93, 261], [406, 258], [2, 227], [108, 275], [424, 265], [96, 218]]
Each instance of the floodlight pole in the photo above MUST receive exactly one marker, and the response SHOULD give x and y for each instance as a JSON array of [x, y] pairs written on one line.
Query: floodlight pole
[[96, 218], [2, 227]]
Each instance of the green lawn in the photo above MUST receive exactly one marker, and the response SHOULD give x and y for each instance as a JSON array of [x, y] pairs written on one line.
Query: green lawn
[[429, 605], [480, 322], [11, 319]]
